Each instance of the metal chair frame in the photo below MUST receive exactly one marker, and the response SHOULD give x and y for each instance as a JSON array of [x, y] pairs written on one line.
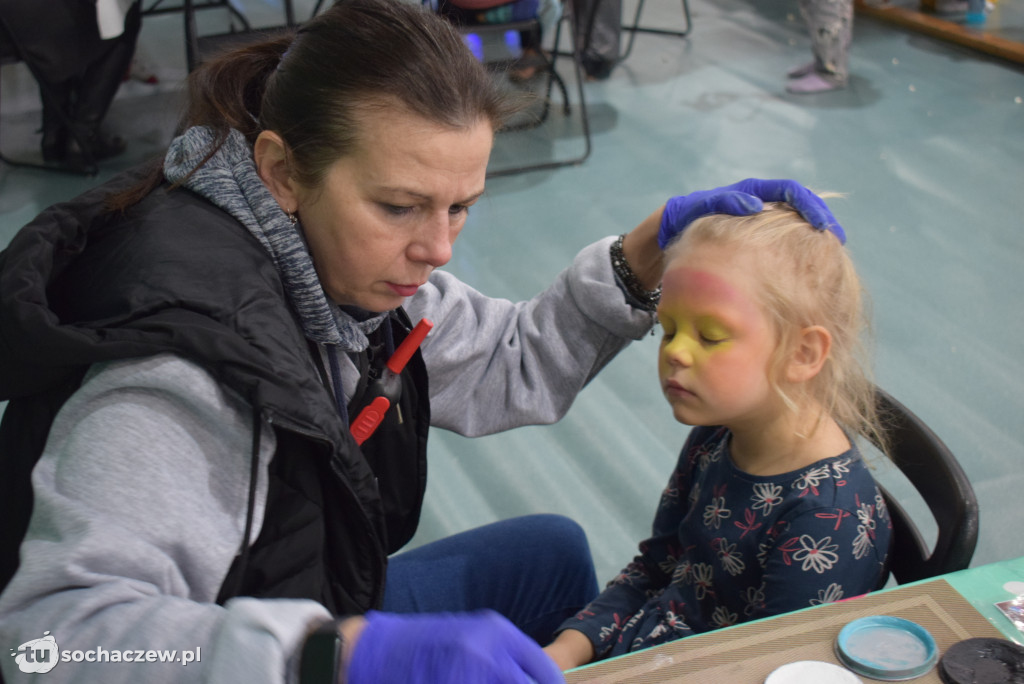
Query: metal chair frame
[[198, 47], [549, 65], [635, 27]]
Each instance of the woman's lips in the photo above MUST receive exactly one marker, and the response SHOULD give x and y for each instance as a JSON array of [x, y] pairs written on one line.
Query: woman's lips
[[404, 290]]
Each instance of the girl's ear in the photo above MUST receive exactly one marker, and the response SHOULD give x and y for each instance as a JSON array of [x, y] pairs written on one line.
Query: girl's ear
[[273, 166], [809, 355]]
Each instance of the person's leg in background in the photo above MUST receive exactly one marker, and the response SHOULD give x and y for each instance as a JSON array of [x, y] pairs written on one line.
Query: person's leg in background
[[97, 85], [830, 24], [535, 570], [598, 28]]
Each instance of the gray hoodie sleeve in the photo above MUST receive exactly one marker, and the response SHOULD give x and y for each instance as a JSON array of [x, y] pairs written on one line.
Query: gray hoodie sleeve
[[495, 364], [140, 502]]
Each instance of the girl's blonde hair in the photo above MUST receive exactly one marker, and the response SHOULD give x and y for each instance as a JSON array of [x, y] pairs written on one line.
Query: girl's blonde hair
[[807, 278]]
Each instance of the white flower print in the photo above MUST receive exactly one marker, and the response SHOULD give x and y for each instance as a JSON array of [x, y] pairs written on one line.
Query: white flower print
[[829, 594], [840, 468], [700, 577], [732, 561], [707, 456], [681, 571], [723, 617], [862, 542], [754, 599], [609, 631], [762, 554], [865, 514], [766, 496], [669, 623], [716, 512], [818, 556], [812, 478], [883, 510]]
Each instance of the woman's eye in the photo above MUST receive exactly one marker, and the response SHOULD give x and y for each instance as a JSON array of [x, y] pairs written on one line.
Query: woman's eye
[[457, 209], [397, 210]]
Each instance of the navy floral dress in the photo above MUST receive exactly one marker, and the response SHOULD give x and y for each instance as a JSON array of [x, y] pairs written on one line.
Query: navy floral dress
[[728, 547]]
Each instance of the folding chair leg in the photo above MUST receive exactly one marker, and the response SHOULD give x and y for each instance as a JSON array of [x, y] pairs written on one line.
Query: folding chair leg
[[635, 27], [584, 118]]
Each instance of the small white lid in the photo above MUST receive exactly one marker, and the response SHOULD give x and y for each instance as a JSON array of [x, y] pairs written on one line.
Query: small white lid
[[812, 672]]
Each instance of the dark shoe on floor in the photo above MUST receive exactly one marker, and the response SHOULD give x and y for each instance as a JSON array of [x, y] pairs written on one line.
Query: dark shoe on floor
[[96, 145], [597, 69], [54, 144]]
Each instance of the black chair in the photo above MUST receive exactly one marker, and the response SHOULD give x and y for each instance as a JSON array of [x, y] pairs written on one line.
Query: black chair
[[937, 476], [11, 53], [635, 27], [200, 46], [546, 63]]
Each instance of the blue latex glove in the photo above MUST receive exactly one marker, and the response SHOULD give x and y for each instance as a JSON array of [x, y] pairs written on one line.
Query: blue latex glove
[[434, 648], [742, 199]]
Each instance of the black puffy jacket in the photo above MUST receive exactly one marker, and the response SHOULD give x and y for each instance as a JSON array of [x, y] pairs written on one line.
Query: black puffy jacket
[[80, 285]]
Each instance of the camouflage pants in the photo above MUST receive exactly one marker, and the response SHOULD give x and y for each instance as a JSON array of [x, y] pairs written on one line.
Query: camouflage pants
[[830, 23]]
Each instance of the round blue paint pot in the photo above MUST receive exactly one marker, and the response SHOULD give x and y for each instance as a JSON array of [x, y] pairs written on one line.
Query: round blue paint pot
[[887, 648]]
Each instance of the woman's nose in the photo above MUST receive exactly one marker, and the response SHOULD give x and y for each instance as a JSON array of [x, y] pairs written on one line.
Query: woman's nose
[[433, 245]]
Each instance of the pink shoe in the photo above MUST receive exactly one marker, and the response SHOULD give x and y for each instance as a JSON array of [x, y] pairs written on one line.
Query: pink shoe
[[814, 83], [800, 71]]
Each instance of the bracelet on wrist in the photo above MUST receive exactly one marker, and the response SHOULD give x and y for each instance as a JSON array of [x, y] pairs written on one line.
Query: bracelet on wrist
[[645, 299]]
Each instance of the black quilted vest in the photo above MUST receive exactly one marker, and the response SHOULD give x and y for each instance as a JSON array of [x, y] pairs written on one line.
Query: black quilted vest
[[176, 274]]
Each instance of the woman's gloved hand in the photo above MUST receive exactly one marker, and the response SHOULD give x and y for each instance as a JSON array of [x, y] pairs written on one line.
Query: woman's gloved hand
[[439, 648], [742, 199]]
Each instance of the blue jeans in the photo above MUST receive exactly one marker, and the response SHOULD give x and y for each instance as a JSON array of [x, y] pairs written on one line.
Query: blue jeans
[[535, 570]]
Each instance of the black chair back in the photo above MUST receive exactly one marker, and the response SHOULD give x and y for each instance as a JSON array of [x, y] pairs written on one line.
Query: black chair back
[[935, 473]]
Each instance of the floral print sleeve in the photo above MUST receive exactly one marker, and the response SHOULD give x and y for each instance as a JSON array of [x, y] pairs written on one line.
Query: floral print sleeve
[[649, 573]]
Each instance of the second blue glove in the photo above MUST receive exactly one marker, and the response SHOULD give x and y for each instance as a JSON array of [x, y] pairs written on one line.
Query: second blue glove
[[480, 647]]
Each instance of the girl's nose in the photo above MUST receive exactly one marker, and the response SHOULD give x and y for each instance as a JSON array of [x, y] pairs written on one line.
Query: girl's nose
[[679, 351]]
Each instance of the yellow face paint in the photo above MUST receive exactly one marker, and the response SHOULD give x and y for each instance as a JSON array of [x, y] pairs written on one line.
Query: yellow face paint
[[717, 340]]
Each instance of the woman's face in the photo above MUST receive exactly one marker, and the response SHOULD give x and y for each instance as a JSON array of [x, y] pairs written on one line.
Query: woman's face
[[388, 214]]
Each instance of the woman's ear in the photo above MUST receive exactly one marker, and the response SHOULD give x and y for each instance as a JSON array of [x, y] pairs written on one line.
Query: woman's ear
[[809, 355], [273, 165]]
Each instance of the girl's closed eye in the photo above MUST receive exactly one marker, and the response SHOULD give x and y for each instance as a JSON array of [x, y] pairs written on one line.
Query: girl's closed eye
[[712, 334]]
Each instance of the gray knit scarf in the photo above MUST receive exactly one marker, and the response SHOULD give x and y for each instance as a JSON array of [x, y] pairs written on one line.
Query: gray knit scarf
[[229, 180]]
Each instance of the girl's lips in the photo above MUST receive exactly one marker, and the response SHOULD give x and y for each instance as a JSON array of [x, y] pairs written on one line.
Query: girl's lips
[[674, 389], [404, 290]]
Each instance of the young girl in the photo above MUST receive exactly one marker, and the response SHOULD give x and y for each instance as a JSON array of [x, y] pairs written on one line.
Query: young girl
[[771, 507]]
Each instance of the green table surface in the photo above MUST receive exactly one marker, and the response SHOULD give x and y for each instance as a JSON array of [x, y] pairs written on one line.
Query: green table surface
[[986, 585]]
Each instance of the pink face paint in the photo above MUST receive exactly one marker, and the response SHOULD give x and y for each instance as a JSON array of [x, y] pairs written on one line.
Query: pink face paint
[[714, 356]]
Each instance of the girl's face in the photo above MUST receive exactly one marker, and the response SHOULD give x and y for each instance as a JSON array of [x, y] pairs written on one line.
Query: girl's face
[[388, 214], [717, 346]]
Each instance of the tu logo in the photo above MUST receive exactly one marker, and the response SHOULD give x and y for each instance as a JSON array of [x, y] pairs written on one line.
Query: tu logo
[[39, 655]]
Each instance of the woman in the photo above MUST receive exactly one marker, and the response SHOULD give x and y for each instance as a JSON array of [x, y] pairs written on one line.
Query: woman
[[184, 350]]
